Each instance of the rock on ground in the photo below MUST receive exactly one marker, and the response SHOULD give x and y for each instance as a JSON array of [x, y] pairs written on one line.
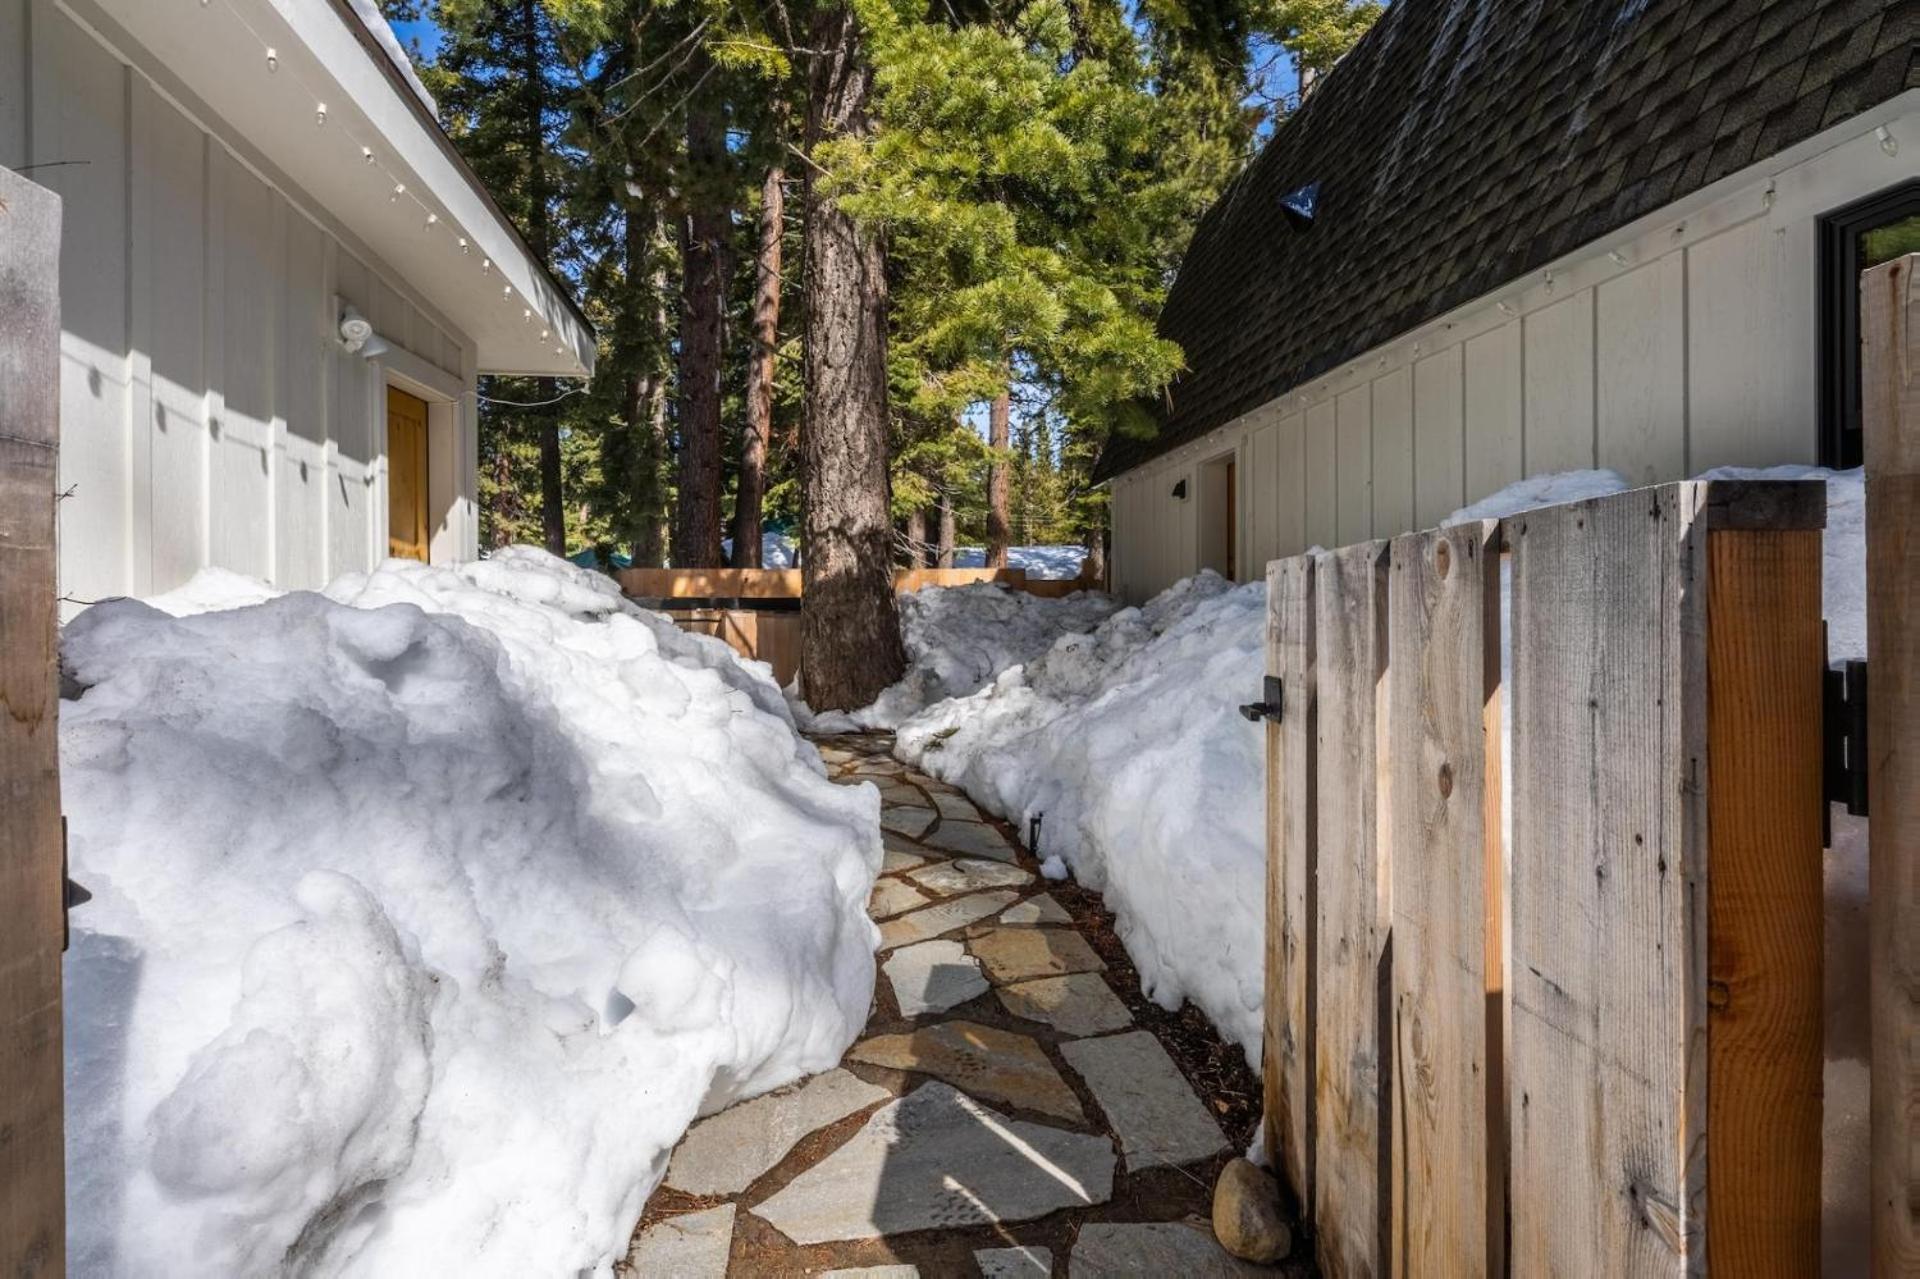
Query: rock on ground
[[725, 1154], [1246, 1214], [1148, 1101]]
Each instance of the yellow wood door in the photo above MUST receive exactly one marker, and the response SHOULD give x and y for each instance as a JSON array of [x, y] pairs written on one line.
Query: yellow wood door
[[406, 475]]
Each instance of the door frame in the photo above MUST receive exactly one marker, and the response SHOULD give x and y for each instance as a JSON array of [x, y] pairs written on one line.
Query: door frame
[[402, 370]]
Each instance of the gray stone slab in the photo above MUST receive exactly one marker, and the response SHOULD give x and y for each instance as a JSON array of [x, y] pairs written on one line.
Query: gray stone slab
[[896, 843], [693, 1245], [906, 820], [1105, 1248], [969, 875], [893, 897], [893, 792], [898, 859], [1077, 1004], [925, 925], [873, 1272], [970, 839], [933, 976], [1148, 1102], [1021, 954], [955, 807], [1000, 1065], [1014, 1263], [727, 1152], [939, 1159], [1036, 910]]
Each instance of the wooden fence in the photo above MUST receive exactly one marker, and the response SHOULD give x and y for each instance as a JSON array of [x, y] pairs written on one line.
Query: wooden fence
[[32, 885], [1599, 1050], [757, 611]]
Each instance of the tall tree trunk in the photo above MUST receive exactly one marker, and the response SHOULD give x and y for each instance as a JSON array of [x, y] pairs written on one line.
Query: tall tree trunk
[[553, 508], [703, 233], [646, 407], [850, 635], [916, 538], [943, 547], [1094, 568], [766, 340], [998, 438]]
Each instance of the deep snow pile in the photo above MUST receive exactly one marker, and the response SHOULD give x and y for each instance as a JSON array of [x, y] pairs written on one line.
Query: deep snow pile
[[1129, 740], [427, 913], [958, 638], [776, 550]]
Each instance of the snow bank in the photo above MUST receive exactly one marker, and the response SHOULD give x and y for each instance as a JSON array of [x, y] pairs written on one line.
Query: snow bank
[[1129, 740], [1056, 562], [958, 638], [1550, 489], [427, 913], [777, 550]]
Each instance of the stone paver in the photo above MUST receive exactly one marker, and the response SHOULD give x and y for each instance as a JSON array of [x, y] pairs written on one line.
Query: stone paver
[[924, 925], [898, 859], [726, 1153], [693, 1245], [955, 807], [1148, 1102], [1036, 910], [903, 820], [873, 1272], [1020, 954], [969, 875], [938, 1159], [967, 839], [1106, 1248], [933, 976], [985, 1060], [1013, 1263], [893, 897], [1077, 1004]]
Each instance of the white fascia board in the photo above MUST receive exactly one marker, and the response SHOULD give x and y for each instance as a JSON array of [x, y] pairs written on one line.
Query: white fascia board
[[218, 51]]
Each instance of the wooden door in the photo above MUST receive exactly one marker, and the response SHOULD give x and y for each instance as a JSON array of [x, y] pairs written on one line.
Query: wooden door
[[406, 475]]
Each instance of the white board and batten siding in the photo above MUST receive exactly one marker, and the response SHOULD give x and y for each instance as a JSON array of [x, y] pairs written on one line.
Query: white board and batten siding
[[209, 416], [1685, 341]]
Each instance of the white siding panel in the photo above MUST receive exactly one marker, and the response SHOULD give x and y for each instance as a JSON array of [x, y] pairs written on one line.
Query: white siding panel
[[81, 116], [1290, 484], [1354, 453], [1321, 477], [1493, 448], [1750, 344], [241, 523], [1393, 453], [1559, 386], [1643, 371], [1438, 446], [301, 467], [175, 173], [1263, 494], [351, 444]]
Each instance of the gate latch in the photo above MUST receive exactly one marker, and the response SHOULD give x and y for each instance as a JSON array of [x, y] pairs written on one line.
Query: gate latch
[[1844, 737], [1268, 709]]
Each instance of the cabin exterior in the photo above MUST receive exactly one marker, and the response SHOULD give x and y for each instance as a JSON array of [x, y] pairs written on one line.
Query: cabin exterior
[[1544, 238], [242, 181]]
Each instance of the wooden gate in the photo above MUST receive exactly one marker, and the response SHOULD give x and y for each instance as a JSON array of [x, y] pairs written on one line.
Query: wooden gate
[[32, 887], [1594, 1048]]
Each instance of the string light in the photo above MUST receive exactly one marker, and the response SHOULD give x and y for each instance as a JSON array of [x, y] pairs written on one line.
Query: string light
[[321, 118]]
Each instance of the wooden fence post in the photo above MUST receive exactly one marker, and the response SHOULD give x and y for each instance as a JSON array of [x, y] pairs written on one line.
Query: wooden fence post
[[1890, 386], [1352, 964], [32, 1179], [1292, 902], [1448, 1174], [1665, 948]]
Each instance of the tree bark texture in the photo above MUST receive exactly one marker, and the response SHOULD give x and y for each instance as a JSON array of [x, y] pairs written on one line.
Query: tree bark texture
[[916, 538], [703, 235], [850, 643], [998, 439], [646, 399], [751, 489], [943, 544]]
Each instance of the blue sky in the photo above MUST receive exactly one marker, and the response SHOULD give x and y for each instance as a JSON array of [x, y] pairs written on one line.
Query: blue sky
[[423, 31]]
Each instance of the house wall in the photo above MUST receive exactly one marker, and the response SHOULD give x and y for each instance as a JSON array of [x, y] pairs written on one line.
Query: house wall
[[1685, 341], [208, 414]]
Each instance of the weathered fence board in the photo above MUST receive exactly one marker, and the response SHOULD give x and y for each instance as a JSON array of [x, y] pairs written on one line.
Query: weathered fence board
[[32, 1188], [1351, 1061], [1890, 386], [1292, 902], [1443, 677], [1642, 647]]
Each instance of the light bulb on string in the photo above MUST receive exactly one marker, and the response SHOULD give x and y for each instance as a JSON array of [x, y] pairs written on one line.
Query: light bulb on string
[[273, 60], [320, 113], [399, 189], [366, 153]]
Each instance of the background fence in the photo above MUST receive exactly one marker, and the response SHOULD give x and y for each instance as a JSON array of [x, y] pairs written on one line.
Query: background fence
[[1592, 1044]]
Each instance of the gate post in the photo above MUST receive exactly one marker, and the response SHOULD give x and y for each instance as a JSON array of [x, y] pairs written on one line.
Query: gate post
[[32, 884]]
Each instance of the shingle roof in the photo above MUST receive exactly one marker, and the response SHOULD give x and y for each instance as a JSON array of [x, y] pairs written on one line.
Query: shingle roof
[[1463, 143]]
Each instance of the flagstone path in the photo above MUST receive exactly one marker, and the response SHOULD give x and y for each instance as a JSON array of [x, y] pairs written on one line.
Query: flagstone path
[[1005, 1112]]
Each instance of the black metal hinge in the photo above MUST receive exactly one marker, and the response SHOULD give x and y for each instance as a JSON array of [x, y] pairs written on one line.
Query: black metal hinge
[[1844, 738], [1270, 707]]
